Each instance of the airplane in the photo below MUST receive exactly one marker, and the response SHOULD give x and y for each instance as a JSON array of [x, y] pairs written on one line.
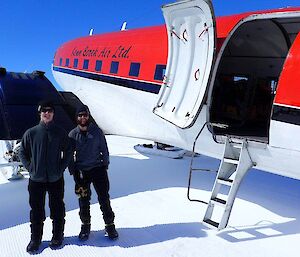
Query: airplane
[[224, 87]]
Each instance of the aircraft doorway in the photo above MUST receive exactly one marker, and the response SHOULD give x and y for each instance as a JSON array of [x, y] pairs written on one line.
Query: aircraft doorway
[[247, 74]]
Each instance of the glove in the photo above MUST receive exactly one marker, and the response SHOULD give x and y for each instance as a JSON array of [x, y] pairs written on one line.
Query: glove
[[81, 191]]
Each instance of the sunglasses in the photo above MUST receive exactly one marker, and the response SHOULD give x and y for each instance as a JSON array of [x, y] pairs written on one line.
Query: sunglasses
[[50, 110], [85, 115]]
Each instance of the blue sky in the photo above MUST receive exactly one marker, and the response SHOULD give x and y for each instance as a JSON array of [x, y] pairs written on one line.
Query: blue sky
[[32, 30]]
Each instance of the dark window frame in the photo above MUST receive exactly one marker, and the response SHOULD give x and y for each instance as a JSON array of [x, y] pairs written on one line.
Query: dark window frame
[[75, 63], [160, 70], [67, 63], [98, 65], [60, 61], [85, 64], [134, 69], [114, 67]]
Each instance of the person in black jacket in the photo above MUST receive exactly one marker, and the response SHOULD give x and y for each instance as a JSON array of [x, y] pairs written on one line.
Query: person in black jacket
[[46, 152], [90, 166]]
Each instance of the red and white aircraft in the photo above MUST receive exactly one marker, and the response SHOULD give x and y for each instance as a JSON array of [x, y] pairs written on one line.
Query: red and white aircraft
[[229, 87]]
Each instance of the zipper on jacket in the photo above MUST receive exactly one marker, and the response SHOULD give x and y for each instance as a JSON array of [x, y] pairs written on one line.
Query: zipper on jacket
[[46, 156]]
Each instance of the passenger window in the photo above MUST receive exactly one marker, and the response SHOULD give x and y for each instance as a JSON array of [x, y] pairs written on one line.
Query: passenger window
[[60, 61], [160, 71], [67, 62], [134, 69], [75, 64], [98, 66], [85, 64], [114, 67]]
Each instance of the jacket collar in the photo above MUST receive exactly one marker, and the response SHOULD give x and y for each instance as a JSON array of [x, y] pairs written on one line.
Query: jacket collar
[[49, 125], [89, 129]]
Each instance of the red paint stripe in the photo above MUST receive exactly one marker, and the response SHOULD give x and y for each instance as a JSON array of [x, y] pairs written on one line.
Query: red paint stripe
[[288, 90]]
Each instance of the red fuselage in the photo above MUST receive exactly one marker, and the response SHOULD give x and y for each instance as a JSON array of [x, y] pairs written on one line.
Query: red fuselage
[[149, 48]]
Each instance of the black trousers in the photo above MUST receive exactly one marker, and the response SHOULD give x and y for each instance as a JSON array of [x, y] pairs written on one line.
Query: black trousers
[[37, 194], [99, 178]]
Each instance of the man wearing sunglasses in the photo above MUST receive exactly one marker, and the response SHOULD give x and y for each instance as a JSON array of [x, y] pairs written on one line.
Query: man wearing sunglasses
[[46, 152], [91, 160]]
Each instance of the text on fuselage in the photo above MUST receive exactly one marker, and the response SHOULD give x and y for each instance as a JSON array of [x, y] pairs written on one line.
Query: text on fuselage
[[106, 52]]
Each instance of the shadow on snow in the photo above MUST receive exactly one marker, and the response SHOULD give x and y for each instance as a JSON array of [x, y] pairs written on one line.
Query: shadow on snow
[[129, 176]]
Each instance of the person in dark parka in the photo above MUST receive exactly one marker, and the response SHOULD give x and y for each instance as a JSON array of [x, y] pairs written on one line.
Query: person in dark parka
[[46, 152], [91, 160]]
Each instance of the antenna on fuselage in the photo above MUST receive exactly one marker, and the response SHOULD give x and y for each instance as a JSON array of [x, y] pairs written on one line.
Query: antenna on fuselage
[[124, 26], [91, 32]]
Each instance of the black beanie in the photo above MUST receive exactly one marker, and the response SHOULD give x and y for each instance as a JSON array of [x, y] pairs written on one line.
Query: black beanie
[[44, 104], [82, 108]]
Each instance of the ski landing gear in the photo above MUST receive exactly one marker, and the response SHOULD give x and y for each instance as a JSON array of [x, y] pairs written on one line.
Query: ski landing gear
[[13, 166]]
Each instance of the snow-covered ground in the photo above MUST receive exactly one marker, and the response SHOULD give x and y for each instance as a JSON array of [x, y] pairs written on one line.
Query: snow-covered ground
[[154, 216]]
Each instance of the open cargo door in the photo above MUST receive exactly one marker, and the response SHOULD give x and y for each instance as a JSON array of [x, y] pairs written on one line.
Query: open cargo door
[[191, 47]]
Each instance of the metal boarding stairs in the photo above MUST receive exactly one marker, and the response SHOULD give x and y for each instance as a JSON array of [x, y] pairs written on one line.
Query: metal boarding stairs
[[234, 165]]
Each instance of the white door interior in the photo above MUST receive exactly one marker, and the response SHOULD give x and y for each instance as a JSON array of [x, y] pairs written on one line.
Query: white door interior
[[191, 46]]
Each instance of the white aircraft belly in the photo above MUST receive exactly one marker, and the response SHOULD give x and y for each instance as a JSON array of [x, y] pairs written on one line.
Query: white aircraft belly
[[128, 112], [120, 110]]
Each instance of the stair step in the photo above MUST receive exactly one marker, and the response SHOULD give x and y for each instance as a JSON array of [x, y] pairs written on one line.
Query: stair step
[[200, 169], [218, 201], [230, 160], [235, 163], [225, 181], [211, 223], [239, 146]]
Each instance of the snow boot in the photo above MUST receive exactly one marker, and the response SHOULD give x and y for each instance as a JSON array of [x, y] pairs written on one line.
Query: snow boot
[[33, 246], [56, 242], [58, 235], [111, 232], [36, 237], [85, 231]]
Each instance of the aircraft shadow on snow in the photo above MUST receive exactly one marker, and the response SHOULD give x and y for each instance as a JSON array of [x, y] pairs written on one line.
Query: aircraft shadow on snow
[[240, 234]]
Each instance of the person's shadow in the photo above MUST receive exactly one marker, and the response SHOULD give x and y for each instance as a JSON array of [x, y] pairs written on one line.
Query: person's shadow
[[133, 237], [44, 245]]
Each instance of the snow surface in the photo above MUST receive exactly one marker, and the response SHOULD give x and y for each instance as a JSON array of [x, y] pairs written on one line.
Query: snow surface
[[154, 216]]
